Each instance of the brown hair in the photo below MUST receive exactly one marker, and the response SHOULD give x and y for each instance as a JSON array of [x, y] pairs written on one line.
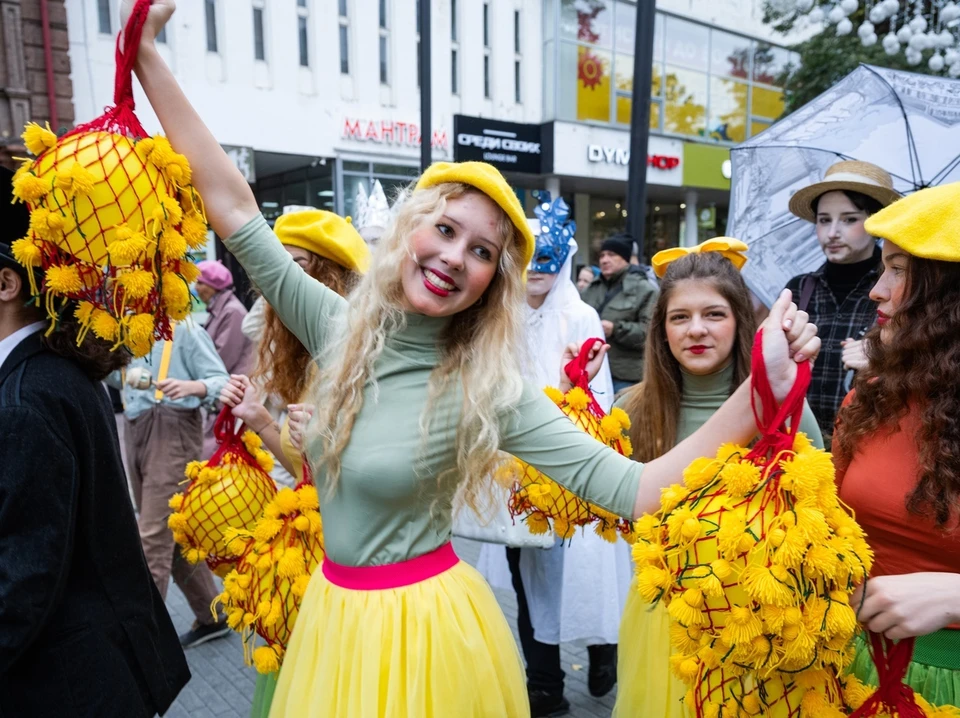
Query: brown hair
[[654, 405], [282, 361], [919, 364], [95, 356]]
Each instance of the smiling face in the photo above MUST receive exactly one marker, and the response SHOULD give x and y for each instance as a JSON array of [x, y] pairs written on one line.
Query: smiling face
[[889, 289], [454, 257], [840, 229], [700, 326]]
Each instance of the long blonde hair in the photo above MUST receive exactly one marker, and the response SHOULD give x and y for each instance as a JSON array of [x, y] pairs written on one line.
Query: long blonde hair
[[479, 348]]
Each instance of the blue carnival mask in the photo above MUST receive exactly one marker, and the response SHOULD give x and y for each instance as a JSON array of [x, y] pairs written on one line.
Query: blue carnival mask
[[556, 231]]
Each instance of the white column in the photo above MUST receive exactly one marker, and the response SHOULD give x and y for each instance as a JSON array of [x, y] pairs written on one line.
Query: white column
[[690, 218], [553, 187]]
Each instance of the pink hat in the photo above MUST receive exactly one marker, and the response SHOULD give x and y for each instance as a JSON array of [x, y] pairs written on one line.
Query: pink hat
[[214, 274]]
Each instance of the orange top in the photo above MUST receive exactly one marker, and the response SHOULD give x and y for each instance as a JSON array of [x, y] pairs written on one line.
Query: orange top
[[882, 473]]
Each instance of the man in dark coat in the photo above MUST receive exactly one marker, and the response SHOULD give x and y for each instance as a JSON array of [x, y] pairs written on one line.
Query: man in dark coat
[[83, 631]]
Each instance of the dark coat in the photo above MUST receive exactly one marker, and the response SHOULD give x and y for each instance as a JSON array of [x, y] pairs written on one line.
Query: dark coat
[[83, 630]]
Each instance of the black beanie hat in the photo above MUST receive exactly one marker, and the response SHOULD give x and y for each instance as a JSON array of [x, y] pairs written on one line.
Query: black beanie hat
[[14, 221], [621, 244]]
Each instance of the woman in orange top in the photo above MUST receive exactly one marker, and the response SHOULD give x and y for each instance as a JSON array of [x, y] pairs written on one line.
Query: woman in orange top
[[898, 448]]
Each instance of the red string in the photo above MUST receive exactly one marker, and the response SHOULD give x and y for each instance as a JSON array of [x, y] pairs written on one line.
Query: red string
[[229, 437], [893, 696], [576, 372], [775, 435]]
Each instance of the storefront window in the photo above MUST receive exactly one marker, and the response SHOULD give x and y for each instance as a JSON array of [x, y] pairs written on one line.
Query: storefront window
[[310, 186], [703, 80], [393, 178]]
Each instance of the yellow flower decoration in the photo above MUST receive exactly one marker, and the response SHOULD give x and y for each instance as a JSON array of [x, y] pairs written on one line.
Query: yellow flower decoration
[[38, 139], [29, 188], [27, 251], [126, 247], [137, 283], [63, 279], [577, 399], [700, 473], [194, 230], [75, 182], [740, 478]]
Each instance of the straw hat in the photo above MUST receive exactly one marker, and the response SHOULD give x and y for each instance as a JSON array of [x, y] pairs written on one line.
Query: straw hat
[[851, 175]]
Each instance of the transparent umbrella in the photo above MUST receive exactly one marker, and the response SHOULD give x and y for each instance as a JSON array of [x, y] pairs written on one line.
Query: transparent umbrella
[[904, 122]]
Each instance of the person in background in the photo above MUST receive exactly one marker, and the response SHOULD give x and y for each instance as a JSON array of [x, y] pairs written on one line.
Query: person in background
[[163, 431], [624, 298], [83, 630], [585, 275], [224, 325], [837, 295]]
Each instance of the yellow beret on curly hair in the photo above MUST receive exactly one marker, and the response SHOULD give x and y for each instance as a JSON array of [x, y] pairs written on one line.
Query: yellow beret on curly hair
[[926, 223], [325, 234], [488, 180]]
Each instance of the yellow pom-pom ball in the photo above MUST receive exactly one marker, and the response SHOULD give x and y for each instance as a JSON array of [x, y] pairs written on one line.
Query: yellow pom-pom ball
[[137, 283], [266, 660], [176, 501], [610, 428], [194, 231], [577, 399], [537, 523], [287, 501], [301, 523], [292, 563], [172, 244], [75, 182], [63, 279], [700, 473], [740, 478], [267, 528], [176, 296], [27, 251], [189, 271], [309, 500], [299, 586], [29, 188], [104, 325], [622, 417], [38, 139]]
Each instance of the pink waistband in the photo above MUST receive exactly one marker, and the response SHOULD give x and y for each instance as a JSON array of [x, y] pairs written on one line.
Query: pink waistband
[[393, 575]]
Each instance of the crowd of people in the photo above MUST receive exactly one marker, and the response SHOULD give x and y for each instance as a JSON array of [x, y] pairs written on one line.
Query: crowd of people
[[394, 368]]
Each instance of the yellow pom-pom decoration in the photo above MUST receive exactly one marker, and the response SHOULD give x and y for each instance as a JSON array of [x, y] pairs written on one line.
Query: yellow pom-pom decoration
[[104, 325], [577, 399], [266, 659], [63, 279], [27, 251], [29, 188], [75, 182], [176, 501], [38, 139], [137, 283], [176, 296], [172, 244]]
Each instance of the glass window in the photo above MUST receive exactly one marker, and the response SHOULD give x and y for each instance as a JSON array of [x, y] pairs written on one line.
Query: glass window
[[549, 87], [686, 44], [343, 8], [259, 52], [486, 24], [210, 7], [624, 73], [592, 83], [302, 37], [769, 63], [685, 95], [516, 31], [625, 109], [103, 17], [516, 81], [301, 3], [383, 14], [728, 110], [454, 73], [403, 170], [730, 55], [656, 81], [453, 19], [350, 186], [757, 127], [588, 21], [549, 19], [384, 77], [766, 102], [626, 32], [344, 51], [486, 76]]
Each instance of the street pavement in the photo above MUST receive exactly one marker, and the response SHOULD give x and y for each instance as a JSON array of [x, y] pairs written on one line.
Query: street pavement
[[222, 686]]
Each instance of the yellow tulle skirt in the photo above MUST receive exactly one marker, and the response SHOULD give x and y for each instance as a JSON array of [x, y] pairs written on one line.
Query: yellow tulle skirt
[[440, 648], [645, 686]]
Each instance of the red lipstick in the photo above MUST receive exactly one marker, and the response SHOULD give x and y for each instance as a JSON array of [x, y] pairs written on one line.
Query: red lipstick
[[882, 318], [698, 349]]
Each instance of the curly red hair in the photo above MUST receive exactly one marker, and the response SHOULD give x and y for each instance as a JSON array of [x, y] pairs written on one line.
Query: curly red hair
[[919, 366], [283, 363]]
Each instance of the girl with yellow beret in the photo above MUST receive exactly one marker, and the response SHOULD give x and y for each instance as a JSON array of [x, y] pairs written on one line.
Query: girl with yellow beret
[[897, 444], [419, 390], [698, 352], [330, 251]]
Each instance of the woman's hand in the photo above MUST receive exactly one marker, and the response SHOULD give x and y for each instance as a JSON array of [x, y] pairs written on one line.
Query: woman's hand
[[597, 353], [176, 389], [241, 396], [788, 339], [854, 354], [298, 416], [914, 604], [160, 12]]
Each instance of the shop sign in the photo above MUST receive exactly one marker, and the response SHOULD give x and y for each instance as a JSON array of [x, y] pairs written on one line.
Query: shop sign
[[390, 132], [508, 146], [619, 156]]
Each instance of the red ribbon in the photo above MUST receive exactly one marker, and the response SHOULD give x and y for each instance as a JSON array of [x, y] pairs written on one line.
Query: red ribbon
[[893, 696], [229, 437], [775, 435], [576, 372]]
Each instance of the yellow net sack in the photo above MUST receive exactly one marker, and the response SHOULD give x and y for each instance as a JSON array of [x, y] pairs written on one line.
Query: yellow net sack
[[544, 503], [230, 491], [112, 215]]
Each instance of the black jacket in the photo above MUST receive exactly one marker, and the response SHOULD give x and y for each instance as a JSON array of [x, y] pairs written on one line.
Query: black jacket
[[83, 630]]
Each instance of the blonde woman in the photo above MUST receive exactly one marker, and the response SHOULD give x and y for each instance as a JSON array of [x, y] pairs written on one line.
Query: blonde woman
[[419, 391]]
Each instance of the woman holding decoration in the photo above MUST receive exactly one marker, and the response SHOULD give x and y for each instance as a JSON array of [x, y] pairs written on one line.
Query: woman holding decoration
[[420, 362]]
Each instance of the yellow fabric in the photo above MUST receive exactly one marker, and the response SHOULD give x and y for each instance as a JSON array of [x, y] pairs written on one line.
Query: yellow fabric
[[165, 362], [925, 224], [732, 249], [295, 457], [645, 685], [435, 649], [488, 180], [326, 235]]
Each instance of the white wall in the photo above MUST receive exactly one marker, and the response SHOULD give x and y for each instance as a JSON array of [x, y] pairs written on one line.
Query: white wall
[[278, 106], [743, 16]]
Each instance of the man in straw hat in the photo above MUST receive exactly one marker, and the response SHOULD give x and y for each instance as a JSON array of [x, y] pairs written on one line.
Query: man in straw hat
[[83, 630], [837, 294]]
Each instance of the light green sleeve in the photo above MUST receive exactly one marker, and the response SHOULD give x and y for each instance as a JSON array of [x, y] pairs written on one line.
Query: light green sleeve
[[304, 305], [810, 427], [541, 435]]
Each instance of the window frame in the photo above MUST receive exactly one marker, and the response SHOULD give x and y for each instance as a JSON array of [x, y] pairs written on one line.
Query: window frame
[[259, 27], [210, 26], [303, 33], [384, 41], [104, 17], [343, 36]]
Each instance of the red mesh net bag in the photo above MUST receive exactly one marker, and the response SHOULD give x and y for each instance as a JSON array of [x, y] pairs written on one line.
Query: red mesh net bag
[[230, 491], [112, 215], [544, 502], [754, 559], [275, 560]]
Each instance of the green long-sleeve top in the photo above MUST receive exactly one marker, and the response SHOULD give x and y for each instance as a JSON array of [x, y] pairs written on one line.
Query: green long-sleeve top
[[389, 506], [702, 395]]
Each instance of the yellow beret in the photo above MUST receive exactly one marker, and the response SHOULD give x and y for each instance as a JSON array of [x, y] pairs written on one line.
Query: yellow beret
[[926, 223], [488, 180], [732, 249], [326, 235]]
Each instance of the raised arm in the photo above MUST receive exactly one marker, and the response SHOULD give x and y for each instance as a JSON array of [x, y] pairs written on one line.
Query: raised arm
[[228, 199]]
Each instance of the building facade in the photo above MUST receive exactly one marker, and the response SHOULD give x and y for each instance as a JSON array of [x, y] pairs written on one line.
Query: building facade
[[313, 98]]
